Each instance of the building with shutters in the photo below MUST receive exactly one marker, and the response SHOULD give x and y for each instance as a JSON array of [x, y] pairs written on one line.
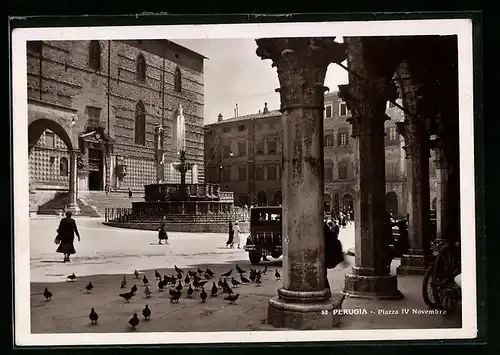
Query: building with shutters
[[243, 154]]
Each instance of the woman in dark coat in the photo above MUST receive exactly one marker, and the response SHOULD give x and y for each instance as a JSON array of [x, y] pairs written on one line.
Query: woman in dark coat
[[333, 249], [66, 235], [162, 233], [231, 235]]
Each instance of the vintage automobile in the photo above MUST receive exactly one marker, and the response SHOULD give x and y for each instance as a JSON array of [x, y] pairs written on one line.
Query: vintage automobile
[[265, 233]]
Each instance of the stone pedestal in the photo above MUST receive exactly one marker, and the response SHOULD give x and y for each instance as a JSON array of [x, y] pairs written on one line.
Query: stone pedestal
[[366, 96], [302, 64], [73, 184]]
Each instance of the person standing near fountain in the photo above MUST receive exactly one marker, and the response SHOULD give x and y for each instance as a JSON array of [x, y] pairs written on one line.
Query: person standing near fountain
[[231, 235], [162, 233], [237, 233]]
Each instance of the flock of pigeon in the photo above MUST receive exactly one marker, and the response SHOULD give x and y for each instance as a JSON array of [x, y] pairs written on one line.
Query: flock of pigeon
[[193, 281]]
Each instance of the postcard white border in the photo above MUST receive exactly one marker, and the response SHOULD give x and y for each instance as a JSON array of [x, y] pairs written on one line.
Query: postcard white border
[[461, 27]]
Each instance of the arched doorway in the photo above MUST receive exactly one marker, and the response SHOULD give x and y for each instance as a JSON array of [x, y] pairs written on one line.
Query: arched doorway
[[347, 202], [391, 202], [327, 203], [278, 198], [261, 198]]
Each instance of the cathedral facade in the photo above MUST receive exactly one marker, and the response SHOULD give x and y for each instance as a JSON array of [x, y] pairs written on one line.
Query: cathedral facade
[[102, 114]]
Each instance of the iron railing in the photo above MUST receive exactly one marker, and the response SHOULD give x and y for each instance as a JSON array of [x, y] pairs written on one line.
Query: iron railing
[[128, 215]]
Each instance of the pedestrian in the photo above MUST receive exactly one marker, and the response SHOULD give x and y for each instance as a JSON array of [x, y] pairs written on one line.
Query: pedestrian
[[129, 193], [66, 235], [237, 234], [162, 232], [388, 240], [231, 235], [334, 254]]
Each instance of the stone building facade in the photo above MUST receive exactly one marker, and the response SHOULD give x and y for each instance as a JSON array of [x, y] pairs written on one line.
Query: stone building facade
[[107, 109], [243, 154]]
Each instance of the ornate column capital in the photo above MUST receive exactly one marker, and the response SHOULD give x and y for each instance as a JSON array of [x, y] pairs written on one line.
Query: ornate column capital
[[416, 138], [301, 64], [367, 102]]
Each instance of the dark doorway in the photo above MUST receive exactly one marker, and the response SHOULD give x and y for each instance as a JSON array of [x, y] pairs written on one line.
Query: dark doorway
[[95, 170], [348, 202]]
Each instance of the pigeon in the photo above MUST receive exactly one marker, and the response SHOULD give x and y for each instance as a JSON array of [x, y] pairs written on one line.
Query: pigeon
[[136, 274], [89, 287], [173, 280], [161, 285], [179, 276], [227, 274], [196, 277], [220, 283], [134, 321], [203, 295], [133, 289], [157, 275], [187, 280], [145, 280], [232, 298], [252, 275], [126, 296], [257, 281], [244, 279], [228, 290], [265, 270], [190, 291], [93, 316], [202, 283], [166, 280], [209, 272], [47, 294], [191, 273], [196, 284], [179, 287], [277, 275], [146, 312], [72, 277], [207, 276], [124, 282], [174, 296], [200, 271], [240, 270], [147, 292], [214, 290], [177, 270], [234, 282]]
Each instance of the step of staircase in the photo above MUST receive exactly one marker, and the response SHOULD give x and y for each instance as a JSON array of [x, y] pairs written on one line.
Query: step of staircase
[[56, 205], [99, 201]]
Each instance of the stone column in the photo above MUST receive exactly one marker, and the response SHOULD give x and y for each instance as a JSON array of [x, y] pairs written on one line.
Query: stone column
[[301, 65], [444, 210], [366, 96], [160, 166], [414, 130], [73, 181]]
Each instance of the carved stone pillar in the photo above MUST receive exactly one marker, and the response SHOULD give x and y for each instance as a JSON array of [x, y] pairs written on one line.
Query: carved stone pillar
[[160, 166], [73, 181], [417, 152], [366, 96], [301, 65]]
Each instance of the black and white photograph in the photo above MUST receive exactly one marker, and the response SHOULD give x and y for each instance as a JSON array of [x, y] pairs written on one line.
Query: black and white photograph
[[274, 182]]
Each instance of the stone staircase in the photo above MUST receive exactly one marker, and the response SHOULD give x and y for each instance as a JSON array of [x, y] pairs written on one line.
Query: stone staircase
[[99, 201], [56, 205]]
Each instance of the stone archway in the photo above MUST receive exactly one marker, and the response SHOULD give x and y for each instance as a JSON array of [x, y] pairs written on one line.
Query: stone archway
[[278, 198], [391, 202], [261, 198], [38, 126]]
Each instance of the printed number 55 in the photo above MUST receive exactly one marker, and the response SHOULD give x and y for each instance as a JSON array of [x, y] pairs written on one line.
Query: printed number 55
[[324, 312]]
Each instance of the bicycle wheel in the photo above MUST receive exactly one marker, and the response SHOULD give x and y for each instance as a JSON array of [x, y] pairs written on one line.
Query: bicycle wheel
[[427, 289], [443, 272]]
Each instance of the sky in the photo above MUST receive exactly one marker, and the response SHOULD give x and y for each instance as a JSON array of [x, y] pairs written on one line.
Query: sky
[[235, 74]]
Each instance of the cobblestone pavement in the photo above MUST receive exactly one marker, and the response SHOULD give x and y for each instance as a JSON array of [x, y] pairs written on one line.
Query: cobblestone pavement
[[106, 254]]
